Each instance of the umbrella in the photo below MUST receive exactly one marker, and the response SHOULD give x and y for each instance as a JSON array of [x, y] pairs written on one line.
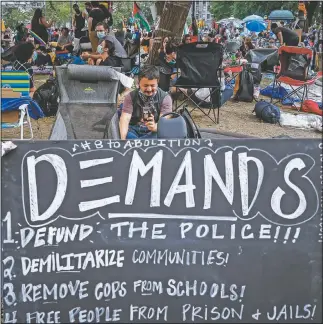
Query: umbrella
[[35, 36], [256, 26], [231, 20], [281, 15], [253, 18]]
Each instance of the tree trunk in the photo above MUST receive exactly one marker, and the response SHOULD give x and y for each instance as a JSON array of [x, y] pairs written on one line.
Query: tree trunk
[[310, 8], [159, 6], [172, 22]]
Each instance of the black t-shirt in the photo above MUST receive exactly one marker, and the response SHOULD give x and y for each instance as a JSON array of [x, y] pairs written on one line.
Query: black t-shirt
[[113, 61], [97, 15], [289, 36]]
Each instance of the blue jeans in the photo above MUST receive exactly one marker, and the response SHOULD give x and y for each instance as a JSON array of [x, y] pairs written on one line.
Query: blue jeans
[[140, 131]]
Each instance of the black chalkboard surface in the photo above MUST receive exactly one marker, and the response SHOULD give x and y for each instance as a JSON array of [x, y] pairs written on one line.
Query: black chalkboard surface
[[226, 231]]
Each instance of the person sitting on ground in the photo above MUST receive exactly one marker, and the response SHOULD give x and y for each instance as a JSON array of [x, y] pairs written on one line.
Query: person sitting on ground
[[143, 107], [186, 39], [65, 41], [108, 58], [285, 36], [145, 42], [100, 30], [24, 54]]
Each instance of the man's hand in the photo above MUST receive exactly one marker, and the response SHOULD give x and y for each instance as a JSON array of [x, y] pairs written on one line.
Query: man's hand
[[151, 125]]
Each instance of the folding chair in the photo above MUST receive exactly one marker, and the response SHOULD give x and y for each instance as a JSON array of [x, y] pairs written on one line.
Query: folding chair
[[16, 105], [198, 66], [294, 66], [17, 119]]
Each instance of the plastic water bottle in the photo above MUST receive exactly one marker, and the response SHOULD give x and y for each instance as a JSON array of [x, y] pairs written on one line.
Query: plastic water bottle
[[222, 81], [233, 58]]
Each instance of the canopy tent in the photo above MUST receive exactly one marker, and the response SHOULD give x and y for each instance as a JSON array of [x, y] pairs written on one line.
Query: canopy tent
[[253, 18], [281, 15], [231, 20]]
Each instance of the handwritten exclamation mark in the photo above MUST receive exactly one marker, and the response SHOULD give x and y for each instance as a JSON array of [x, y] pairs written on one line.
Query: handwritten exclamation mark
[[313, 313], [243, 288], [276, 234], [298, 230], [286, 237]]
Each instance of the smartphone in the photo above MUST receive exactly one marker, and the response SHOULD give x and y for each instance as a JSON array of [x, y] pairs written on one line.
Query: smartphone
[[147, 115]]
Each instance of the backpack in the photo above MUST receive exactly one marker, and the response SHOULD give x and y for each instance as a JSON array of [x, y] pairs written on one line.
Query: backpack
[[192, 129], [246, 87], [47, 96], [267, 112]]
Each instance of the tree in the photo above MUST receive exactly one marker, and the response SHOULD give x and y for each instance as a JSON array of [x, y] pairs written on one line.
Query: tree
[[172, 22], [311, 8], [59, 12], [241, 10], [15, 16]]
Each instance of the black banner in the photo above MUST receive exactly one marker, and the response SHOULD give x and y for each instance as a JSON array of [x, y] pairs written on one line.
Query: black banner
[[169, 231]]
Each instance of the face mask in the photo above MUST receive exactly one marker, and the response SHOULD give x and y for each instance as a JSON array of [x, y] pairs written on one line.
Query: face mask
[[100, 49], [34, 57], [100, 34]]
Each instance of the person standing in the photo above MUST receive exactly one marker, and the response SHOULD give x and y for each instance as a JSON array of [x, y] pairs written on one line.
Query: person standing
[[39, 25], [78, 24], [96, 15], [285, 36]]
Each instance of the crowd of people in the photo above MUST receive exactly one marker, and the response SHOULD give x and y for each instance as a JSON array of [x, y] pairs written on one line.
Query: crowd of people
[[108, 49]]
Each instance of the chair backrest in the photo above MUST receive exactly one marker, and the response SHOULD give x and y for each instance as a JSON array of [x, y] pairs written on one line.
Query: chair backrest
[[126, 62], [18, 81], [87, 84], [199, 64], [294, 62], [232, 46]]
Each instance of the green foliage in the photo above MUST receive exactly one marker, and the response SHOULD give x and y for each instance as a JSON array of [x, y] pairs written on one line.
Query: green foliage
[[14, 16], [60, 12], [123, 9], [243, 9]]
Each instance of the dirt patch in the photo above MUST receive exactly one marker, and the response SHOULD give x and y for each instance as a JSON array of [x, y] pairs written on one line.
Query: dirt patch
[[237, 117]]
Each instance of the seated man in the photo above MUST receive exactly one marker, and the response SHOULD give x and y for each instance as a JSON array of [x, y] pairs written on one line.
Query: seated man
[[108, 58], [143, 107], [101, 32], [65, 41]]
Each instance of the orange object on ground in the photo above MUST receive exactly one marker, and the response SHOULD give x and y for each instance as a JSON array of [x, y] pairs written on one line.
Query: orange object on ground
[[311, 106]]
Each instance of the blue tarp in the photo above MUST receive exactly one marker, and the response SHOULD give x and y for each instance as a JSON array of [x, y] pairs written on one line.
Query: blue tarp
[[10, 104], [279, 93]]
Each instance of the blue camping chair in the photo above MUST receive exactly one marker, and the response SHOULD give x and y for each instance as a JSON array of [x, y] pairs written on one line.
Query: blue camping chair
[[16, 105]]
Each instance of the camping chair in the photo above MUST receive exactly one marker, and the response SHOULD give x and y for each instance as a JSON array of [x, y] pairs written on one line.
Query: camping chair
[[88, 100], [16, 105], [294, 66], [199, 65], [231, 47], [16, 119]]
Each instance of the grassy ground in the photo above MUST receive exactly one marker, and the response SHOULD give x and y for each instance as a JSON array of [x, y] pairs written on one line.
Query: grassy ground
[[234, 117]]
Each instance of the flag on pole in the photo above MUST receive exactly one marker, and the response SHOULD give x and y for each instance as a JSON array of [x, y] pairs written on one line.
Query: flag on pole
[[137, 13], [186, 30]]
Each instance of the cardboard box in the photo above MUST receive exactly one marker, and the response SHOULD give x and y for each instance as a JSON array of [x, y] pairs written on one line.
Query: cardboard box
[[9, 93], [10, 116]]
